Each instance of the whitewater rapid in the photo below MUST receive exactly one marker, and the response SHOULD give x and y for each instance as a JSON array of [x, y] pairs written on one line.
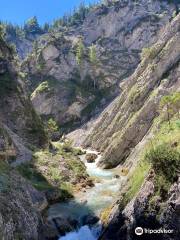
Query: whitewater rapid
[[83, 233], [96, 199]]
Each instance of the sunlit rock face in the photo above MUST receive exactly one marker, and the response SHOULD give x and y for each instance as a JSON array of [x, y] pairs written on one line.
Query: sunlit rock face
[[70, 97], [125, 122]]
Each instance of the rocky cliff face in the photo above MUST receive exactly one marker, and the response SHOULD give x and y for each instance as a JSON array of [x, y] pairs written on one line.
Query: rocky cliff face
[[20, 206], [138, 214], [20, 129], [24, 45], [129, 117], [120, 126], [24, 152], [69, 92], [16, 110]]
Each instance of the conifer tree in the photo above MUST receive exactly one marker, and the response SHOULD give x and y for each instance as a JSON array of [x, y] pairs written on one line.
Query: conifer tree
[[93, 61], [80, 52]]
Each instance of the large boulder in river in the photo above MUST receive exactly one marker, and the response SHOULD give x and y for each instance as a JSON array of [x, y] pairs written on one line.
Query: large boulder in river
[[53, 196], [56, 195], [91, 157], [90, 220], [60, 226]]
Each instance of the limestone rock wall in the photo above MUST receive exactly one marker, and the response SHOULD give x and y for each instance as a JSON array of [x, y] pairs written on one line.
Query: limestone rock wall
[[126, 121]]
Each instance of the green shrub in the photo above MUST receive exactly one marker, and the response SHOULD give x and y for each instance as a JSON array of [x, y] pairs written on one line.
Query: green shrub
[[171, 103], [162, 186], [80, 51], [134, 94], [51, 127], [67, 146], [2, 30], [165, 160], [149, 52]]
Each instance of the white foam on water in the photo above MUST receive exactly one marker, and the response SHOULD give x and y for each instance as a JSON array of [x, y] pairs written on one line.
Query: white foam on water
[[83, 233], [96, 199]]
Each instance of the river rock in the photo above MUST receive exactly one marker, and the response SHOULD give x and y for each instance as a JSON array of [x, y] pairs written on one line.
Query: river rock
[[74, 223], [50, 231], [53, 196], [90, 157], [64, 225], [116, 176], [89, 183], [89, 220]]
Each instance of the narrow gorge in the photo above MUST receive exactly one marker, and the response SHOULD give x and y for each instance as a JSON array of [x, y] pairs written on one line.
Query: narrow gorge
[[90, 124]]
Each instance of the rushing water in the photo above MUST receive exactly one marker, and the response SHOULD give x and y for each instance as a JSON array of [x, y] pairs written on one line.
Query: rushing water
[[83, 233], [93, 201]]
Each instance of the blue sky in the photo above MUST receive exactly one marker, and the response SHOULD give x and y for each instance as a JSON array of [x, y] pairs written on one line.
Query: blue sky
[[18, 11]]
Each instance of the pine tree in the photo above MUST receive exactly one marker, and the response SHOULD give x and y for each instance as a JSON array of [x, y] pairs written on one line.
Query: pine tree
[[93, 55], [35, 46], [93, 61], [51, 127], [2, 31], [166, 102], [172, 105], [80, 52], [46, 27], [32, 26]]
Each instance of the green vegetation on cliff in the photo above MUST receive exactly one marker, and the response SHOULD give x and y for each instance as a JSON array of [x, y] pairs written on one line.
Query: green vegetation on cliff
[[136, 180], [80, 49], [162, 153], [57, 168]]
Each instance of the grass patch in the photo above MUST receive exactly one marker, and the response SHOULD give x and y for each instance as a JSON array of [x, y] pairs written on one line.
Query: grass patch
[[134, 94], [168, 134], [150, 52], [136, 180], [164, 155], [162, 185]]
